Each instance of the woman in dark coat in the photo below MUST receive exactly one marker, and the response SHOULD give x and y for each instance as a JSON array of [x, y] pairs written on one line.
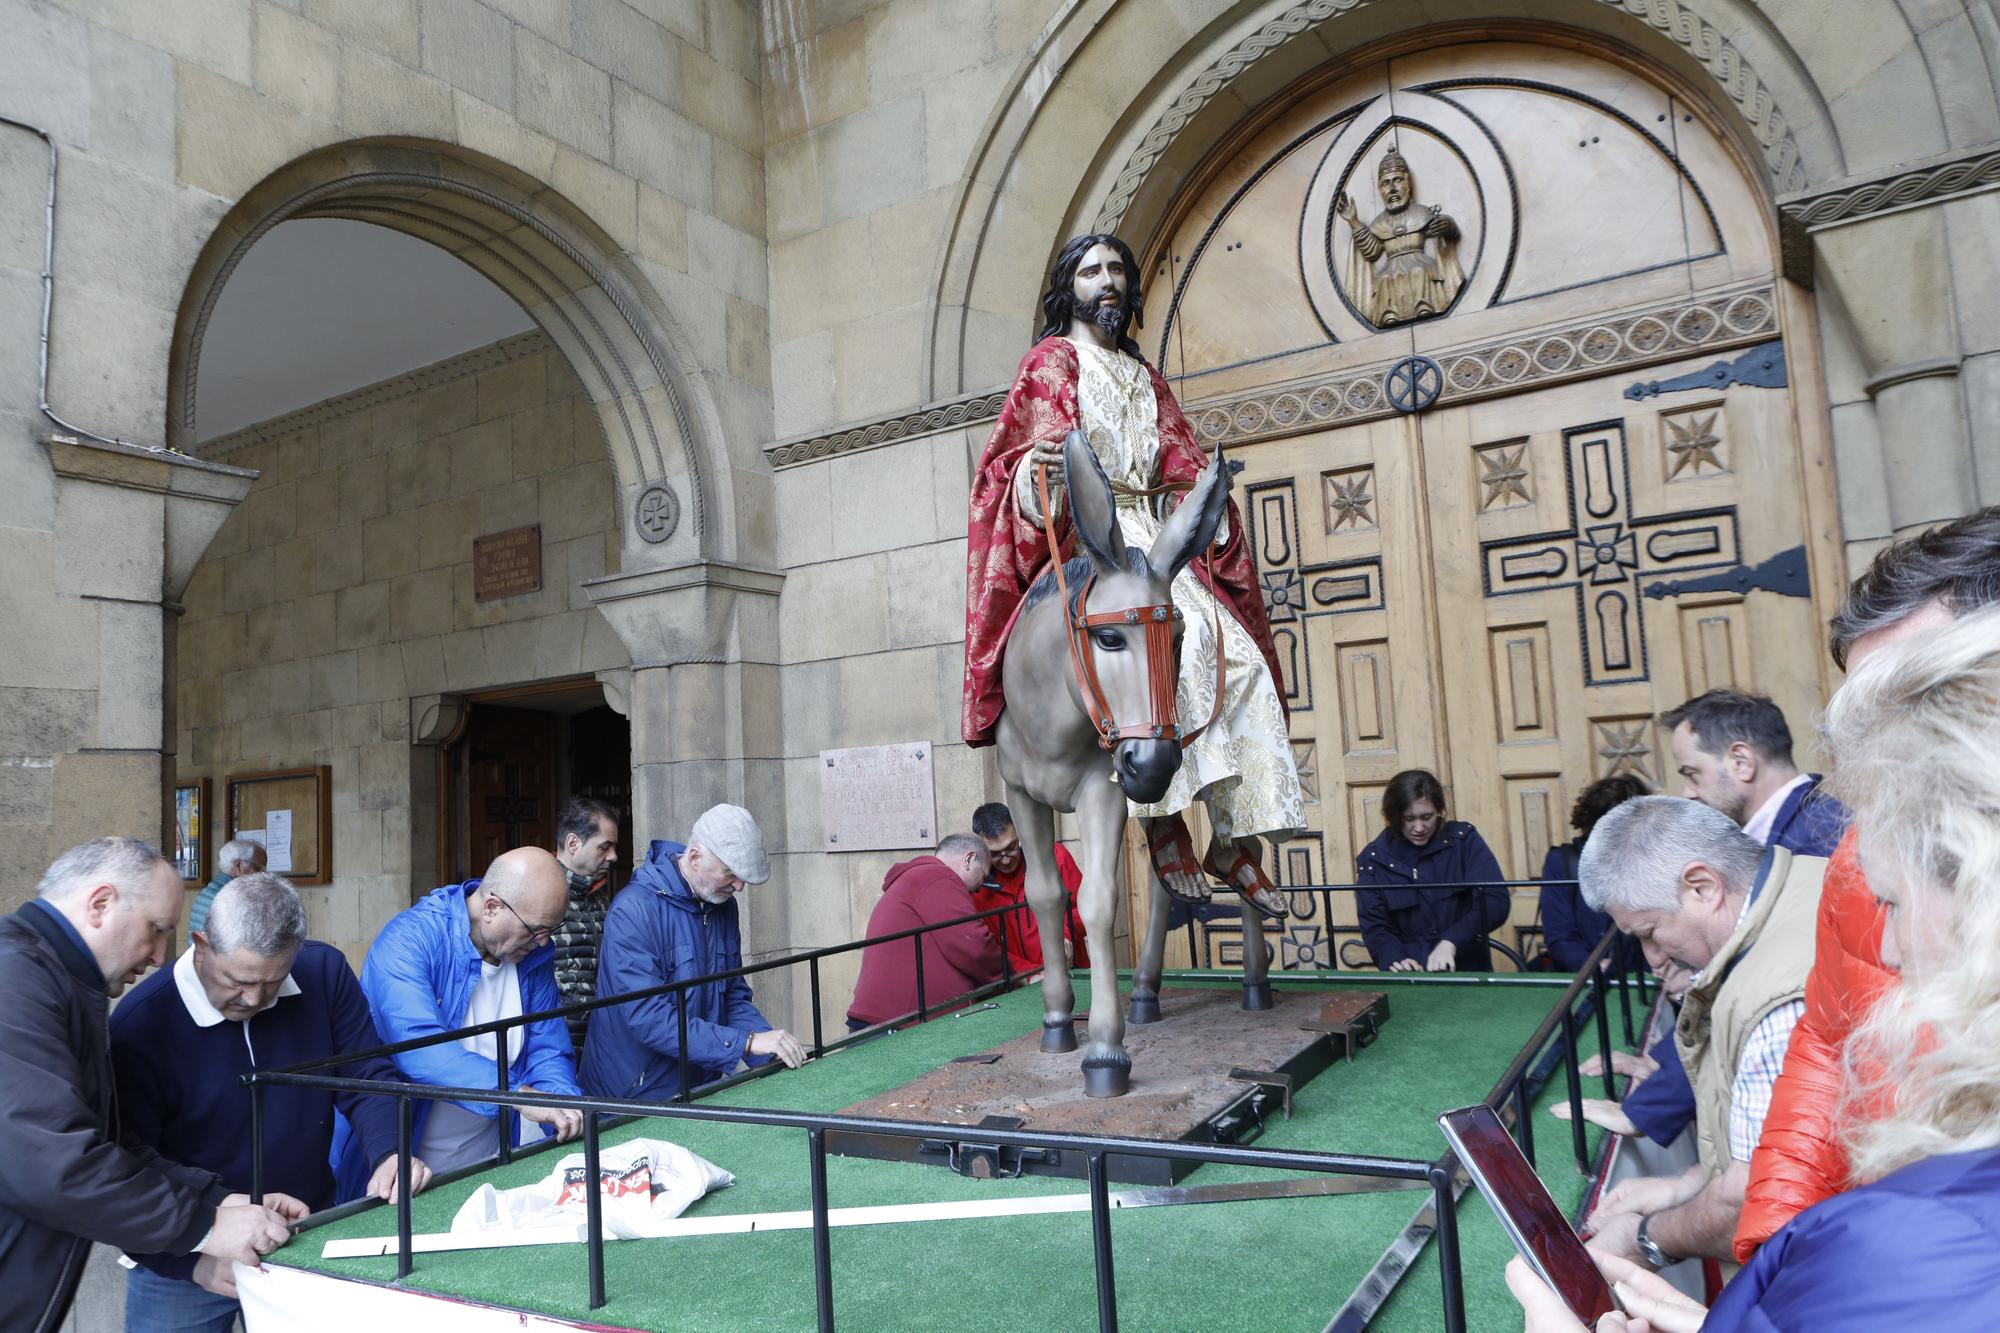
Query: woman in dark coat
[[1412, 929], [1570, 928]]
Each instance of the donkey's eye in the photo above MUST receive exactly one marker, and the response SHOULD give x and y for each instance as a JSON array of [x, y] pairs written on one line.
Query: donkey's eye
[[1110, 640]]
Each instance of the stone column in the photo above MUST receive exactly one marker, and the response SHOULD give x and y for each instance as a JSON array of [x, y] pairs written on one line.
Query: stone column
[[1891, 276], [703, 699], [131, 524]]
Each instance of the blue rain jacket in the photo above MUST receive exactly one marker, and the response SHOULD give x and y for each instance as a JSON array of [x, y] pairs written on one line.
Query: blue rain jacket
[[658, 931], [1400, 922]]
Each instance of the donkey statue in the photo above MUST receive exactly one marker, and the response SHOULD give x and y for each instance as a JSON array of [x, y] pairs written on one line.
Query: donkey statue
[[1097, 645]]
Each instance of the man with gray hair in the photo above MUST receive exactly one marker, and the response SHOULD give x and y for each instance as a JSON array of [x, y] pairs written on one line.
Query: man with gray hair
[[252, 993], [238, 856], [957, 959], [105, 912], [1682, 879], [677, 920]]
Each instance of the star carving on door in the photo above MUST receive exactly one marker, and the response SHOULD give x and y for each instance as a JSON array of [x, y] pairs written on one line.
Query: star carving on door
[[1348, 501], [1505, 476], [1623, 748], [1693, 444]]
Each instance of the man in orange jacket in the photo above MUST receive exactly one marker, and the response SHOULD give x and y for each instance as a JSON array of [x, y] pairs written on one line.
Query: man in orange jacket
[[1912, 587]]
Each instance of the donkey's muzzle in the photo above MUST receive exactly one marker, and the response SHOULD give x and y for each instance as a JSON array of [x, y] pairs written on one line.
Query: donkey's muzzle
[[1145, 768]]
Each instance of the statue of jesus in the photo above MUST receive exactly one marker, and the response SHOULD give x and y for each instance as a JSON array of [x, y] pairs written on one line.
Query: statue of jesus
[[1086, 373], [1405, 262]]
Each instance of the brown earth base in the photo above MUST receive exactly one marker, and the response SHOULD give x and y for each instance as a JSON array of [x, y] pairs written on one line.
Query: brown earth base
[[1208, 1072]]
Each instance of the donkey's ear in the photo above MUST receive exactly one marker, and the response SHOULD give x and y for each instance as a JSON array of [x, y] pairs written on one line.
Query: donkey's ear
[[1091, 506], [1192, 527]]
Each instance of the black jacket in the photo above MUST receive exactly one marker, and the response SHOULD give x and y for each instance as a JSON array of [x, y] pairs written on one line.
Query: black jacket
[[65, 1178], [576, 941], [1407, 922]]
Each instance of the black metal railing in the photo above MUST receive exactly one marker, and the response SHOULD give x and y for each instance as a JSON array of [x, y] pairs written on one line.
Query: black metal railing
[[1509, 1098]]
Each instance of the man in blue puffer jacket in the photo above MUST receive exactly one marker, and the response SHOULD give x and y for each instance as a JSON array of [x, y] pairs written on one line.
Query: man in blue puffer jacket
[[676, 920], [464, 955]]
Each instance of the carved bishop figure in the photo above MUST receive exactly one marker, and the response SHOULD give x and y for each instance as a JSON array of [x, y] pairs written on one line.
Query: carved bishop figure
[[1404, 264]]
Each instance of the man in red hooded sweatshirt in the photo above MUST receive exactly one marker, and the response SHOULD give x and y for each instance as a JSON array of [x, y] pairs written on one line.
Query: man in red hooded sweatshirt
[[1088, 374], [957, 959]]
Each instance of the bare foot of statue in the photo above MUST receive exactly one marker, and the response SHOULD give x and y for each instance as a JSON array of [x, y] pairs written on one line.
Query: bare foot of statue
[[1239, 870], [1174, 861]]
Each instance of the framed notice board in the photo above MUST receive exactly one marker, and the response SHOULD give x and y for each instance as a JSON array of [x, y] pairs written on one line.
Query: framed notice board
[[191, 815], [289, 810]]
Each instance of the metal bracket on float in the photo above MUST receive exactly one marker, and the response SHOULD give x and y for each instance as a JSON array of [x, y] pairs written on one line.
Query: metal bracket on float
[[989, 1161], [1269, 1079]]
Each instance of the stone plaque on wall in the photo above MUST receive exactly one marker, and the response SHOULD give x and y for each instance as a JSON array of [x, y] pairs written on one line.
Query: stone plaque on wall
[[507, 564], [877, 797]]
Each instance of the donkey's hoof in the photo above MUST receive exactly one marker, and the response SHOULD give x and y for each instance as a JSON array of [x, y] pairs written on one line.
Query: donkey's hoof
[[1107, 1076], [1058, 1038], [1145, 1009], [1257, 995]]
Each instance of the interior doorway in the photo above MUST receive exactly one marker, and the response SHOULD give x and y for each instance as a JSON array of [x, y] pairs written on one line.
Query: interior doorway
[[521, 755]]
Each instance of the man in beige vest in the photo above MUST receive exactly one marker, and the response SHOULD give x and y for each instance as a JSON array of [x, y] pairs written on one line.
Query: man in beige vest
[[1694, 889]]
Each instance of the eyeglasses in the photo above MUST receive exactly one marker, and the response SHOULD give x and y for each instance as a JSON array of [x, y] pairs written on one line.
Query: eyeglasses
[[536, 934]]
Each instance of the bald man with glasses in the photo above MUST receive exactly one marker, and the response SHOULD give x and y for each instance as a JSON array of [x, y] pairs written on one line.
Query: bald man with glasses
[[465, 955]]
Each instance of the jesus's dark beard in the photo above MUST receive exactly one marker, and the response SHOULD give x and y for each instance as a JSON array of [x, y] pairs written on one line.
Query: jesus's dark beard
[[1111, 314]]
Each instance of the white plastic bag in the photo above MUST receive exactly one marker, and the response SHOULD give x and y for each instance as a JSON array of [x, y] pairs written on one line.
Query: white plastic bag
[[644, 1182]]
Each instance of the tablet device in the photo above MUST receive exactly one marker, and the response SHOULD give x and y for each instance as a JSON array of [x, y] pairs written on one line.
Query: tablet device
[[1522, 1203]]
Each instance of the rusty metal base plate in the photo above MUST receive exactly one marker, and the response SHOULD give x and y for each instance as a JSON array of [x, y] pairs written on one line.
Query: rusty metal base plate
[[1208, 1072]]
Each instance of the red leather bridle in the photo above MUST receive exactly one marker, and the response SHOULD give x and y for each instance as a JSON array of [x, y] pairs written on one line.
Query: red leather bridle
[[1162, 663]]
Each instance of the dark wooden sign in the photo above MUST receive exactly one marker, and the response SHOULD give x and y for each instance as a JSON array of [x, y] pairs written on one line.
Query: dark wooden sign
[[507, 564]]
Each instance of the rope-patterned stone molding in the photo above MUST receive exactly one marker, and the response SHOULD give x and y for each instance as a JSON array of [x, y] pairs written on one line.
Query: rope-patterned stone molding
[[1899, 191], [973, 408]]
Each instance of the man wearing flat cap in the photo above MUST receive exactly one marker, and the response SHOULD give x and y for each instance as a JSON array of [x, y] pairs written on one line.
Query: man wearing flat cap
[[676, 920]]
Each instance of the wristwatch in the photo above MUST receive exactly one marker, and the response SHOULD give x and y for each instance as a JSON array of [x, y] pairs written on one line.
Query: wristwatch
[[1649, 1247]]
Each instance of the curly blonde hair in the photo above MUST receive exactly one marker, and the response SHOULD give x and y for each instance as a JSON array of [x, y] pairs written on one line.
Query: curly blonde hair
[[1915, 734]]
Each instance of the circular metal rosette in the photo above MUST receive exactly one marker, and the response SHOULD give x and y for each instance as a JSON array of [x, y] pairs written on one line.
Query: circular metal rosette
[[1413, 384]]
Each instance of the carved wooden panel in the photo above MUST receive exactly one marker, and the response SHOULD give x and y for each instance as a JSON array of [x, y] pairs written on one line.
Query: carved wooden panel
[[1367, 706], [1364, 816], [1627, 745], [1695, 441], [1524, 704], [1537, 815], [1305, 758], [1350, 498], [1505, 475], [1715, 646]]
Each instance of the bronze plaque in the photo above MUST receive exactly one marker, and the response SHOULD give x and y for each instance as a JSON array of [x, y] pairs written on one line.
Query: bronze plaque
[[507, 564]]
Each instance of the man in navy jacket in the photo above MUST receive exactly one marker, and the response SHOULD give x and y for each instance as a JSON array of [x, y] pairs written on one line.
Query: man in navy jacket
[[251, 993], [677, 920]]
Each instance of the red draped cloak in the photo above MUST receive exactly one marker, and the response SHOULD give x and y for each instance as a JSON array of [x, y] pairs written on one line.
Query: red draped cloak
[[1005, 552]]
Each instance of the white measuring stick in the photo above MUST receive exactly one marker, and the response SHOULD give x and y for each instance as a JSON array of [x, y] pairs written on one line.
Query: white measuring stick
[[800, 1220]]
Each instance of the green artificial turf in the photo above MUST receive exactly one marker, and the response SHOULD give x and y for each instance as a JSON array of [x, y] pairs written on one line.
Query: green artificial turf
[[1272, 1264]]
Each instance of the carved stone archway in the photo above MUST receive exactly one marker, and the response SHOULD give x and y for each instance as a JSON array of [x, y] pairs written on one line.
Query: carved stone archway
[[660, 431]]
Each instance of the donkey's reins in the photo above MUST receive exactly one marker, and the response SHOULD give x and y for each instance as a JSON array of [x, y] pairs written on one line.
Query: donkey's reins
[[1162, 670]]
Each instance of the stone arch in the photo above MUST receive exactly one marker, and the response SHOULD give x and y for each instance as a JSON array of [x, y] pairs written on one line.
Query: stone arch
[[660, 430], [1778, 91]]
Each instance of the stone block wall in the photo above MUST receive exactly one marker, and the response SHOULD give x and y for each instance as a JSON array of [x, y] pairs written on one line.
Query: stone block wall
[[342, 587]]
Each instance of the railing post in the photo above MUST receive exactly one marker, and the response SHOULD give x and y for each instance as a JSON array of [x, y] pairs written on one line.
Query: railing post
[[1575, 1079], [1021, 930], [1100, 1241], [501, 1082], [923, 1009], [822, 1232], [819, 1035], [257, 1143], [1600, 998], [1625, 1004], [593, 1210], [1524, 1121], [405, 1131], [1450, 1266], [681, 1017]]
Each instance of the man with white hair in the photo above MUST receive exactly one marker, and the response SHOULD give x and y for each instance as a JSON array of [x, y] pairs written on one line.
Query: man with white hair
[[677, 920], [1695, 890], [253, 993], [105, 912], [238, 856]]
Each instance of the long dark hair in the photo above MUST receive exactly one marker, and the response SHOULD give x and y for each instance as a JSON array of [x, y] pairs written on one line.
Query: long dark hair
[[1059, 301]]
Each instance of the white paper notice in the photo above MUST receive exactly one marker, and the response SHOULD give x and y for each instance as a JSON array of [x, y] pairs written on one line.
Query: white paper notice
[[278, 841]]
